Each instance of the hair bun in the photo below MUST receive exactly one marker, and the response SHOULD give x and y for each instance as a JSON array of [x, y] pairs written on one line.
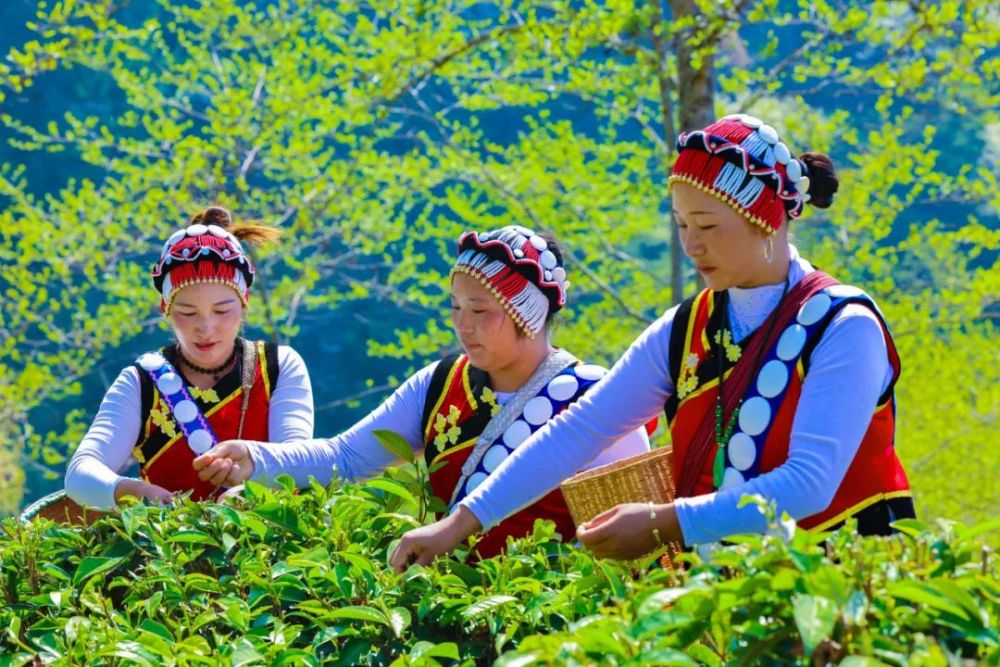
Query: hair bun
[[214, 215], [823, 181]]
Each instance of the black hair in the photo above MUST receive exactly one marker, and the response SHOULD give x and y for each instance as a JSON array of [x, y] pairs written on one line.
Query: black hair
[[823, 181]]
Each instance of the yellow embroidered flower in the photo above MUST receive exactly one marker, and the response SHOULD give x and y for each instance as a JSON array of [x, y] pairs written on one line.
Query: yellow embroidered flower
[[206, 395], [489, 397], [447, 427], [162, 419], [725, 339], [448, 437], [688, 381], [688, 385], [733, 353]]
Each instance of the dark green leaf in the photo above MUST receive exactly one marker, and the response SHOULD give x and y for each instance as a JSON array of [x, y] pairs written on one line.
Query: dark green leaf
[[92, 566]]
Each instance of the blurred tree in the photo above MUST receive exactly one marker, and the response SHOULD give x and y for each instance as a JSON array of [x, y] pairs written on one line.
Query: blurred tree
[[374, 133]]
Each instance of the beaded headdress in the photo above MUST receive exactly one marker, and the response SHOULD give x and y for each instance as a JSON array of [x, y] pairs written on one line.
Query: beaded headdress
[[741, 161], [202, 254], [519, 269]]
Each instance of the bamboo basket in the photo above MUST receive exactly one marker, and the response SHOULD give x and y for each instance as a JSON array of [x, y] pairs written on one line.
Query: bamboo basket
[[62, 509], [638, 479]]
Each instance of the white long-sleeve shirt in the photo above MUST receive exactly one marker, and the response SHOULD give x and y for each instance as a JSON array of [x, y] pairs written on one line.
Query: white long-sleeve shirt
[[849, 370], [93, 471], [357, 454]]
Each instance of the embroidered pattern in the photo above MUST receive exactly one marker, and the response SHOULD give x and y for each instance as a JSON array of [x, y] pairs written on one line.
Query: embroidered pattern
[[725, 339], [447, 428], [160, 415], [688, 380], [489, 397], [206, 395]]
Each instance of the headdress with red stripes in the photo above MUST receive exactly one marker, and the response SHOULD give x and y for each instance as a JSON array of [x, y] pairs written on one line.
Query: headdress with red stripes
[[517, 266], [202, 254], [742, 161]]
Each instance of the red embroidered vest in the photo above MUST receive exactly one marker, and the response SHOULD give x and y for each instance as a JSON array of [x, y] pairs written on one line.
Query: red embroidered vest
[[162, 450], [455, 416], [875, 475]]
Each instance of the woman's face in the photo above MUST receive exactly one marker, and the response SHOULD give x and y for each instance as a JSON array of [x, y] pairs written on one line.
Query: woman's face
[[486, 331], [727, 250], [206, 320]]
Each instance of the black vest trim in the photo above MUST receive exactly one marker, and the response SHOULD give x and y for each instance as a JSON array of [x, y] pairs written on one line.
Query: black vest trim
[[675, 347], [271, 359], [877, 517], [471, 427], [434, 389], [708, 369], [817, 337]]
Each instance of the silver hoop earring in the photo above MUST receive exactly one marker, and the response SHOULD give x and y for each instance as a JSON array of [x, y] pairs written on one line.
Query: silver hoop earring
[[769, 249]]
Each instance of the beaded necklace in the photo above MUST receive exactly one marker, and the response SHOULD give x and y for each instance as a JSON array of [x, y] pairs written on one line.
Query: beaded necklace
[[722, 434], [216, 372]]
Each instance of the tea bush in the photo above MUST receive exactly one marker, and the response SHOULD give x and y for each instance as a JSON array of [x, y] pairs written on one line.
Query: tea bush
[[281, 577]]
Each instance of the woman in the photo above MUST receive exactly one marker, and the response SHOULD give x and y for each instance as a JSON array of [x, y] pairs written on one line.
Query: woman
[[211, 384], [468, 411], [776, 380]]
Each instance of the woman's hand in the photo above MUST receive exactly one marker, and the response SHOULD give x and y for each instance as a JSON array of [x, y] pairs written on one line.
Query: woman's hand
[[227, 464], [626, 531], [136, 488], [422, 545]]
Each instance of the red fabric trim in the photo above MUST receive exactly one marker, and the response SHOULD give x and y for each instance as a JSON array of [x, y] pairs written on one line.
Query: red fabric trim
[[705, 167], [206, 269]]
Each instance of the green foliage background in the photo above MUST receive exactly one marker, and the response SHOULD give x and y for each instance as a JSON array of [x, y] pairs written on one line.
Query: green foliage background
[[372, 134]]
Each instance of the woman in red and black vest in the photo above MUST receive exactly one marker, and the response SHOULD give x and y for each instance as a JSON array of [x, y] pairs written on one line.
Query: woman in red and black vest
[[469, 411], [210, 385], [777, 380]]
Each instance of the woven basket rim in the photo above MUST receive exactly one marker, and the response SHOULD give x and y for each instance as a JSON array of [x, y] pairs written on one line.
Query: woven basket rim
[[640, 460]]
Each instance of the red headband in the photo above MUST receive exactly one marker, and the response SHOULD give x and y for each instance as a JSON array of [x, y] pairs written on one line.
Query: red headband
[[742, 162], [202, 254], [518, 268]]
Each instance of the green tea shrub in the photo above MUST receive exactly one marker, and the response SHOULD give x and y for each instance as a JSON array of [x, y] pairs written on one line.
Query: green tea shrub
[[924, 597], [281, 577]]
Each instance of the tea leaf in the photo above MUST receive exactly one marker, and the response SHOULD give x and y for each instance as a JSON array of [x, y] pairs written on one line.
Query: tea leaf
[[971, 533], [395, 444], [92, 566], [188, 536], [245, 654], [358, 613], [399, 620], [815, 618], [911, 527], [487, 604], [391, 486], [149, 625], [424, 649], [921, 593], [281, 515]]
